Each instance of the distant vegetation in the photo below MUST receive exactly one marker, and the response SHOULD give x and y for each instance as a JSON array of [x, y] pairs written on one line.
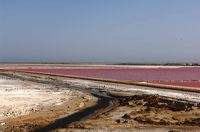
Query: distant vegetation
[[164, 64]]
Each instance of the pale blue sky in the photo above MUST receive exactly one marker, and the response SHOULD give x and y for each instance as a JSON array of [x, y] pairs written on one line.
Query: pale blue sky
[[100, 30]]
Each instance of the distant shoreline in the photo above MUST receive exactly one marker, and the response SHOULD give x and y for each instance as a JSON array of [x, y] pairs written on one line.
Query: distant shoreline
[[100, 64]]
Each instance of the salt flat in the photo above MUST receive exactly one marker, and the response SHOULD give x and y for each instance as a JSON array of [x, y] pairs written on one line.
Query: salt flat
[[22, 97]]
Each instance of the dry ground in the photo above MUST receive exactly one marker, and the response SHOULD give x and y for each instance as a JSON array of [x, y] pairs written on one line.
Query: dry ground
[[136, 108], [147, 112], [26, 105]]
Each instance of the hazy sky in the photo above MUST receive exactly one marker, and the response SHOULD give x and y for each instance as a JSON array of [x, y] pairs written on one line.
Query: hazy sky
[[100, 30]]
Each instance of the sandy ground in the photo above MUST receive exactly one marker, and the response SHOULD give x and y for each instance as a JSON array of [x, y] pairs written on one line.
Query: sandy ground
[[22, 97], [141, 108], [36, 104], [144, 113], [138, 108], [131, 89]]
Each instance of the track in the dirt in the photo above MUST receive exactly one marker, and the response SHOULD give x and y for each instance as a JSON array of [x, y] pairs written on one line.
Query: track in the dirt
[[104, 103]]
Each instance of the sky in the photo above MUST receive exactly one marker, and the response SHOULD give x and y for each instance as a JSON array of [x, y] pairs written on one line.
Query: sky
[[126, 31]]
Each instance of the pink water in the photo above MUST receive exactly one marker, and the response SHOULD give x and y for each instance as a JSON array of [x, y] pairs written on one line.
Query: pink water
[[128, 74]]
